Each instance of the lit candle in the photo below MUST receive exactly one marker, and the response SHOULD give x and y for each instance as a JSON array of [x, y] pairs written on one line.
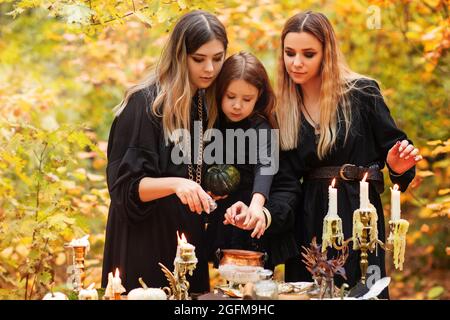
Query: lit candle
[[185, 250], [117, 285], [332, 199], [364, 193], [395, 203]]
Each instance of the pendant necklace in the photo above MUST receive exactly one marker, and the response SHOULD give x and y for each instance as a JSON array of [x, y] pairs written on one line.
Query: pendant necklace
[[315, 125]]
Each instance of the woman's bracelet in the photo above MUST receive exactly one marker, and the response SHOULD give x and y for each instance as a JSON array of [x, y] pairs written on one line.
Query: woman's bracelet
[[268, 217]]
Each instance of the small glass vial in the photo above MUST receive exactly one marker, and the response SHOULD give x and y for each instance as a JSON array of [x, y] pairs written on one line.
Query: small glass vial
[[266, 288]]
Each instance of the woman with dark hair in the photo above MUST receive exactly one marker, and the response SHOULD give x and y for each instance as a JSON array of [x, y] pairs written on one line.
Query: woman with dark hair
[[153, 196], [334, 123]]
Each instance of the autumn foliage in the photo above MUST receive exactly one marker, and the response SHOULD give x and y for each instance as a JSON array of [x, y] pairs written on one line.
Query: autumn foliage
[[65, 64]]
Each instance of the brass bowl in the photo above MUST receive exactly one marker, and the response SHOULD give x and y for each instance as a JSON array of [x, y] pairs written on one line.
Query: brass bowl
[[241, 257]]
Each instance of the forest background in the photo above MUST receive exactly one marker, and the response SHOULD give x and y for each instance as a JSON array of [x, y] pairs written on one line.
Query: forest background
[[64, 64]]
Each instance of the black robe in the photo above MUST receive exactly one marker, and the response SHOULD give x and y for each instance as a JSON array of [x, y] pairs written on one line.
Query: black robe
[[141, 234], [373, 133], [249, 160]]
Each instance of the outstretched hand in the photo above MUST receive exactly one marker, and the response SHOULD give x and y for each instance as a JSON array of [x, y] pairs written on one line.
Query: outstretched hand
[[246, 218], [402, 157]]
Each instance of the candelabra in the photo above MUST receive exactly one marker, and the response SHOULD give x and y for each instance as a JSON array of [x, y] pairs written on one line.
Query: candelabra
[[79, 274], [365, 237], [185, 262]]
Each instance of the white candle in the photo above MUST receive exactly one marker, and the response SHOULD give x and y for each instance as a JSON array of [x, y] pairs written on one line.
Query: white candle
[[332, 200], [395, 203], [185, 250], [364, 193], [117, 282]]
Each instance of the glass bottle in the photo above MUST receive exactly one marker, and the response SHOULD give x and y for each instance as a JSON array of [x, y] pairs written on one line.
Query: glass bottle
[[266, 288]]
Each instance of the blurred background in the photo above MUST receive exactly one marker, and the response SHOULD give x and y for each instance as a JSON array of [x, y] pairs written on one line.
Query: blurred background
[[65, 64]]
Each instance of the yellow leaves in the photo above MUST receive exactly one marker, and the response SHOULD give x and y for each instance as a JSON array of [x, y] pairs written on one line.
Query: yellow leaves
[[425, 228], [182, 4], [411, 237], [434, 142], [18, 165], [441, 149], [98, 164], [443, 192], [74, 191], [95, 177], [89, 198], [60, 259], [143, 18], [424, 174]]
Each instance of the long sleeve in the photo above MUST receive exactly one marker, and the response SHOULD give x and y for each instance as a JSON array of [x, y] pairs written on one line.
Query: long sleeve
[[132, 155], [284, 195], [283, 203], [386, 132], [267, 156]]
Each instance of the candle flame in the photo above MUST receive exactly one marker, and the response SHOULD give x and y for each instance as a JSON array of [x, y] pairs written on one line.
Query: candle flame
[[181, 239], [333, 182], [395, 187], [117, 273], [365, 177]]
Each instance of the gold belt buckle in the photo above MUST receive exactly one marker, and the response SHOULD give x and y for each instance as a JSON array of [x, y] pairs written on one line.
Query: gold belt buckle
[[342, 170]]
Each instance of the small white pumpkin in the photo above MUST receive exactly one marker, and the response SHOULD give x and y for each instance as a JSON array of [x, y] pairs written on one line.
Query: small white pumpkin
[[146, 293], [55, 296], [90, 293]]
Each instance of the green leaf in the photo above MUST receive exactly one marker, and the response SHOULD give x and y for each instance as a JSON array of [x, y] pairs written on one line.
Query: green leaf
[[435, 292], [45, 277]]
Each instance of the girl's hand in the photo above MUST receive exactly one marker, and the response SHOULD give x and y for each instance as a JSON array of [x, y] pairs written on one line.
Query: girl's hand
[[236, 215], [193, 195], [255, 217], [402, 157]]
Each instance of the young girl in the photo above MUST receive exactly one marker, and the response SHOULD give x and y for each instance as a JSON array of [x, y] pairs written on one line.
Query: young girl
[[334, 123], [152, 196], [247, 102]]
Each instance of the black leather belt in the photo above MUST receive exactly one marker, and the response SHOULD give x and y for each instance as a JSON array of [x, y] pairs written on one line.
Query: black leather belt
[[349, 172]]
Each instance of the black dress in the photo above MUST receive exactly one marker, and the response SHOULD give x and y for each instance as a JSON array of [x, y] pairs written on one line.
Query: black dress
[[278, 241], [373, 133], [250, 160], [141, 234]]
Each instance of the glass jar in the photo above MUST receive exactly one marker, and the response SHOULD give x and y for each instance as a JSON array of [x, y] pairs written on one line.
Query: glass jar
[[266, 288]]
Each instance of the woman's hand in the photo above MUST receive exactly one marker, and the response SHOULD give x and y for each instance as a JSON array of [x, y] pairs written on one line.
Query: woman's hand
[[193, 195], [402, 157], [255, 217]]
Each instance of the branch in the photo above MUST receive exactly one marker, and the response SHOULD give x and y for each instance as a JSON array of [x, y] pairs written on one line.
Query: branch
[[122, 17]]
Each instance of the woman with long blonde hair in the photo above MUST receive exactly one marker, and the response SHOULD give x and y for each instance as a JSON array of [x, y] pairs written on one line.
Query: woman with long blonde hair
[[333, 123], [154, 191]]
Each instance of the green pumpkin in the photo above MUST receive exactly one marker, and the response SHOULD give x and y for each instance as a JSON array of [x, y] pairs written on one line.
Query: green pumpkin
[[222, 179]]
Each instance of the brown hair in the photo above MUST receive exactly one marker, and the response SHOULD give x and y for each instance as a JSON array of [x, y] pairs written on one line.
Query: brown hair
[[245, 66]]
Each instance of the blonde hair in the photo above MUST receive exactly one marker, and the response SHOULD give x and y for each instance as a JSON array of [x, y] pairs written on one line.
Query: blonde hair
[[171, 76], [337, 81]]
